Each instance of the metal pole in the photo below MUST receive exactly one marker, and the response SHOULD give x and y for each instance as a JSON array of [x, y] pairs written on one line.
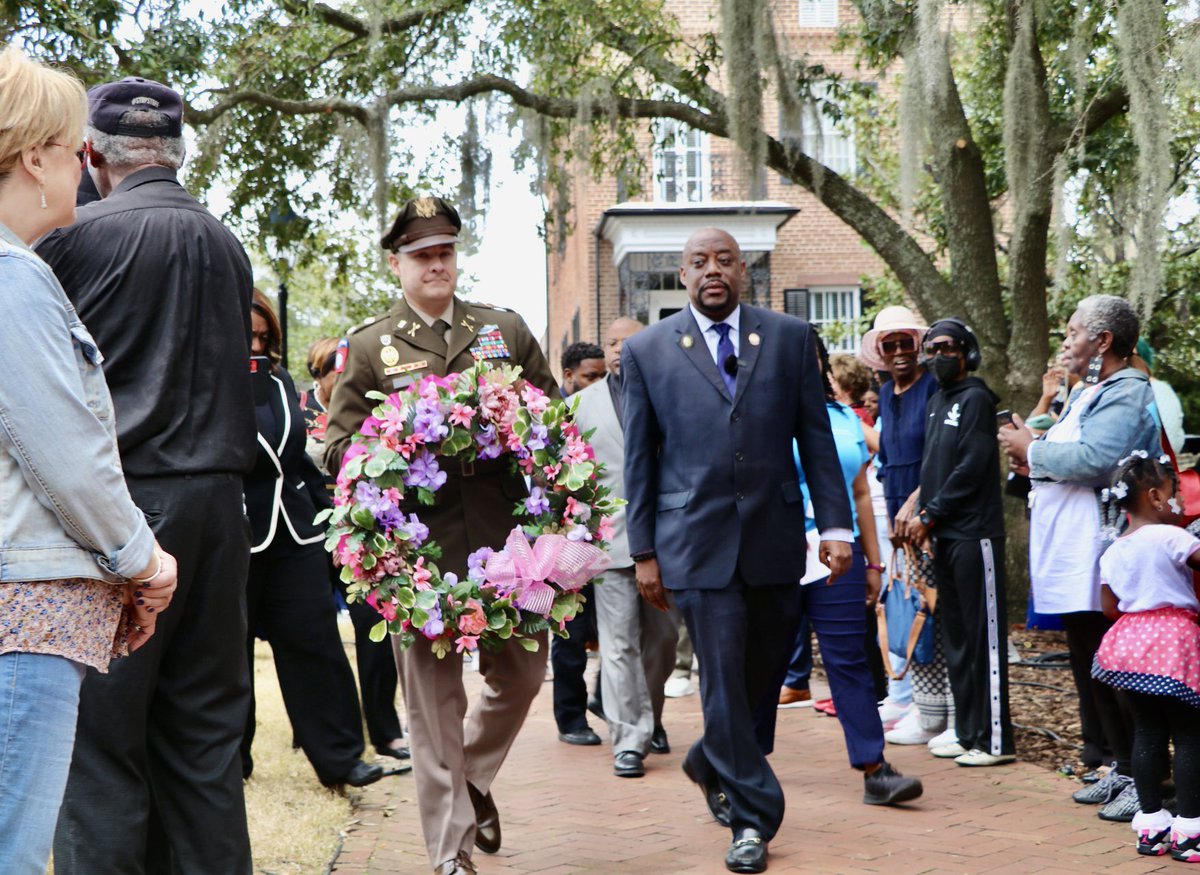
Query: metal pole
[[283, 322]]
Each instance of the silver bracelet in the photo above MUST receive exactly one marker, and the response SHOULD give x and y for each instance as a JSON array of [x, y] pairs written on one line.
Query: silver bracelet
[[157, 572]]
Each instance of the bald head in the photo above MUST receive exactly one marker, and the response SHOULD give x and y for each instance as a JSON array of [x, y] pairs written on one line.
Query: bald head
[[622, 329], [713, 272]]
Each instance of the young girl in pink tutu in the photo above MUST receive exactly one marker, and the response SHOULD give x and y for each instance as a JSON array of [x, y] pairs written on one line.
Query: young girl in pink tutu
[[1153, 650]]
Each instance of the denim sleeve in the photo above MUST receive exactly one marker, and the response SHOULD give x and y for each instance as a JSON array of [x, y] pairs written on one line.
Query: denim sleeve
[[1122, 419], [66, 455]]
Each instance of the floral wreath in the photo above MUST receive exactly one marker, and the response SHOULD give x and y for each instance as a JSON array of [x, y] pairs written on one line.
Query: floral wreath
[[529, 584]]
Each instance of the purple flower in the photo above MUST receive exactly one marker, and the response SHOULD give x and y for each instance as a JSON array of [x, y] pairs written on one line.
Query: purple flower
[[450, 579], [434, 626], [476, 562], [385, 512], [366, 493], [417, 531], [537, 503], [429, 422], [423, 470], [538, 435], [579, 533]]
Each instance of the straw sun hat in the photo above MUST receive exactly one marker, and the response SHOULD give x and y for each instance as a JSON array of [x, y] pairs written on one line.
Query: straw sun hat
[[889, 321]]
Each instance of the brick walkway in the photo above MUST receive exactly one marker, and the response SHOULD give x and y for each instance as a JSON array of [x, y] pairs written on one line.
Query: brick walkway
[[562, 811]]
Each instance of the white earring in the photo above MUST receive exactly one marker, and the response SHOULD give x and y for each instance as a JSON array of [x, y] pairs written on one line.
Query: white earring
[[42, 192]]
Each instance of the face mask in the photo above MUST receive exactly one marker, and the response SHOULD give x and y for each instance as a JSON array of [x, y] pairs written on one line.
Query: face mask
[[946, 368]]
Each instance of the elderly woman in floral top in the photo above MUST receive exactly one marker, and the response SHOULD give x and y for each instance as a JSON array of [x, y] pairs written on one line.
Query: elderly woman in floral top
[[81, 577]]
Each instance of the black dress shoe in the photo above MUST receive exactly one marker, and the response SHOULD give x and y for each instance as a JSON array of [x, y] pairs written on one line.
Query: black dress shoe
[[628, 764], [487, 821], [460, 865], [658, 741], [596, 706], [886, 786], [718, 802], [399, 753], [583, 736], [362, 774], [747, 852]]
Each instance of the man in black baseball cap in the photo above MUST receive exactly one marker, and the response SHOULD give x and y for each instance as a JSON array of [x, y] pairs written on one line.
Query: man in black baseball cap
[[135, 107]]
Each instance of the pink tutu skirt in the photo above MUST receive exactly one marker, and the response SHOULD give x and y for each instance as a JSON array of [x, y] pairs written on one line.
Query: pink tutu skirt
[[1152, 652]]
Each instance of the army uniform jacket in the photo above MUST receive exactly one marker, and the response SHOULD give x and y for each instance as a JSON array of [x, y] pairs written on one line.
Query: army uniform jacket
[[475, 506]]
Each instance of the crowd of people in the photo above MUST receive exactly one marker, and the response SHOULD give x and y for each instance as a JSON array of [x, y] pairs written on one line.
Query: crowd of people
[[171, 522]]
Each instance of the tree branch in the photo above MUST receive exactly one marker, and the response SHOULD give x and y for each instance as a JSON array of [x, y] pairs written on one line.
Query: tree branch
[[347, 22], [1095, 115]]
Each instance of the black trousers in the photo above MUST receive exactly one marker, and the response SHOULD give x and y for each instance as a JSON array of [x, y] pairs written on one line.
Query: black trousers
[[156, 779], [970, 610], [1158, 720], [287, 596], [568, 658], [741, 635], [1106, 722], [377, 678]]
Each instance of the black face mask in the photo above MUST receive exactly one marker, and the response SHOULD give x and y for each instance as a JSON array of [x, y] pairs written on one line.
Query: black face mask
[[946, 369]]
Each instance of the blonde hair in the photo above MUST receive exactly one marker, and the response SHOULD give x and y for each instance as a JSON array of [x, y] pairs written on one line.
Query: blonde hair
[[38, 105], [319, 353], [850, 374]]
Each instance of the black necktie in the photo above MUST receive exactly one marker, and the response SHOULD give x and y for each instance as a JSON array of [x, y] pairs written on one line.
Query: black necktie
[[440, 327]]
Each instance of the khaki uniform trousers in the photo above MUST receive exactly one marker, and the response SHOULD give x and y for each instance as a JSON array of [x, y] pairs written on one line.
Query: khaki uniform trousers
[[445, 754]]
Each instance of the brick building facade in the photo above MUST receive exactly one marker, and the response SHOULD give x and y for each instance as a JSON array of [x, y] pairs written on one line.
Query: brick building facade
[[623, 255]]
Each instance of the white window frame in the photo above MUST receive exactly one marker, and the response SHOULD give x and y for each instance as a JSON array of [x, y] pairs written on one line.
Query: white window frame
[[818, 13], [676, 144], [845, 305], [821, 138]]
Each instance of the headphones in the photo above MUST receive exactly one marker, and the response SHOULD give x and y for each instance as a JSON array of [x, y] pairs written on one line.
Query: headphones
[[971, 354]]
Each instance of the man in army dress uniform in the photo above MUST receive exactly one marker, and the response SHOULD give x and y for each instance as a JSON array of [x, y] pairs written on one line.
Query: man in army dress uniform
[[430, 331]]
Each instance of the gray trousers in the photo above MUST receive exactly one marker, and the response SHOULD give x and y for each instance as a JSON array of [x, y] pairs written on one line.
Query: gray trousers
[[637, 654]]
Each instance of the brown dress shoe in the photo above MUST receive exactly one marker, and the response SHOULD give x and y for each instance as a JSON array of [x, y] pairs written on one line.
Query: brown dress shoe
[[460, 865], [487, 820]]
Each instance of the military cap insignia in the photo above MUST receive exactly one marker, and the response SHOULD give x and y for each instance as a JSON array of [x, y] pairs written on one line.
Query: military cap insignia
[[425, 207]]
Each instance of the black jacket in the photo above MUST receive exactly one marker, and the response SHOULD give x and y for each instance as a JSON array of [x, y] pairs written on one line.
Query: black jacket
[[284, 490], [165, 290], [960, 469]]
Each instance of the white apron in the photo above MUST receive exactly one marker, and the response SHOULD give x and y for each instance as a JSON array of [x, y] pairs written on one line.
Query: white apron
[[1064, 533]]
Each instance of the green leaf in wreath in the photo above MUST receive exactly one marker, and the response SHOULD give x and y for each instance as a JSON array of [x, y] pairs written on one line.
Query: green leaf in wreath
[[406, 597], [375, 467], [441, 647], [379, 631], [322, 516], [529, 644], [362, 517], [426, 599], [419, 618], [424, 495]]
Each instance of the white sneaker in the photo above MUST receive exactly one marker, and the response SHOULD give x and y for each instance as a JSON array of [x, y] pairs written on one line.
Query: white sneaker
[[677, 688], [945, 739], [909, 731], [891, 713], [983, 758], [947, 751]]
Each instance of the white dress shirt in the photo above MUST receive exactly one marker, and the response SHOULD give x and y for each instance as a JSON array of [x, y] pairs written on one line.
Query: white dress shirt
[[711, 339]]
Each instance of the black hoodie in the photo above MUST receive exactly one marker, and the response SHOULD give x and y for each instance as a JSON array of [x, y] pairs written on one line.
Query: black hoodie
[[960, 470]]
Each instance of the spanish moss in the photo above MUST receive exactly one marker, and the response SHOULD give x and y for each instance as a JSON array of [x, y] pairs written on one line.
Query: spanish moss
[[745, 32]]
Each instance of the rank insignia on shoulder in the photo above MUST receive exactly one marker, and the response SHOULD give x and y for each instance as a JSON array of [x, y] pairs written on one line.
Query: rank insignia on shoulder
[[366, 323], [489, 344], [490, 306]]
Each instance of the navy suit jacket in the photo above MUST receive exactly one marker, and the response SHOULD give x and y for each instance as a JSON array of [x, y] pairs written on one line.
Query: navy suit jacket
[[710, 480]]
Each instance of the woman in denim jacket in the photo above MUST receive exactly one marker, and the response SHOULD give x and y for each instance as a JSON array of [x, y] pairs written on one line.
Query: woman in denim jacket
[[81, 577], [1110, 417]]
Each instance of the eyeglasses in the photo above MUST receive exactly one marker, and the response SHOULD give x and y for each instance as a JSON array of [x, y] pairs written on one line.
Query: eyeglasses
[[903, 344], [943, 347], [80, 153]]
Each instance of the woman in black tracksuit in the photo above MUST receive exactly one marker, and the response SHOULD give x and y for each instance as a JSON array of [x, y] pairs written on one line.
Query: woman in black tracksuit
[[287, 591]]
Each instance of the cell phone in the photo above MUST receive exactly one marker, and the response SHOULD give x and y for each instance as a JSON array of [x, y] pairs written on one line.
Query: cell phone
[[260, 378], [1003, 418]]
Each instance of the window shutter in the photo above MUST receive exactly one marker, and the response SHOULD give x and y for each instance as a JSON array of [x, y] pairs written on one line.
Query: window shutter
[[795, 302]]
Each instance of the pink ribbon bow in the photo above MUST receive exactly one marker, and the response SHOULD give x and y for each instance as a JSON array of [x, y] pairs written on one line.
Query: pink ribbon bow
[[528, 570]]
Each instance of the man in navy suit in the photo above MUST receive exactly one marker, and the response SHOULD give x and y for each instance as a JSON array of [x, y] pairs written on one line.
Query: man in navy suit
[[714, 397]]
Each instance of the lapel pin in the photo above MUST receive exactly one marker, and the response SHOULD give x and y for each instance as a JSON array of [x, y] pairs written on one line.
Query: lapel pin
[[754, 339], [466, 323], [686, 341], [413, 329]]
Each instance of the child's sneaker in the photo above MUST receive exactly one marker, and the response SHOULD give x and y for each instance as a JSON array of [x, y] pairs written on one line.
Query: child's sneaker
[[1186, 849], [1154, 844]]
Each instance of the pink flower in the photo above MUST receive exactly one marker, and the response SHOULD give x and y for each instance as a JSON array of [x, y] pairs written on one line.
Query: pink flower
[[472, 620], [387, 610], [551, 471], [576, 451], [497, 403], [466, 642], [604, 531], [578, 510], [513, 441], [527, 465], [461, 414], [535, 399], [421, 575]]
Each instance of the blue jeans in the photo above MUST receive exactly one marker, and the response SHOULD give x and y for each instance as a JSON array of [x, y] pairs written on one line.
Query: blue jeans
[[39, 701]]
